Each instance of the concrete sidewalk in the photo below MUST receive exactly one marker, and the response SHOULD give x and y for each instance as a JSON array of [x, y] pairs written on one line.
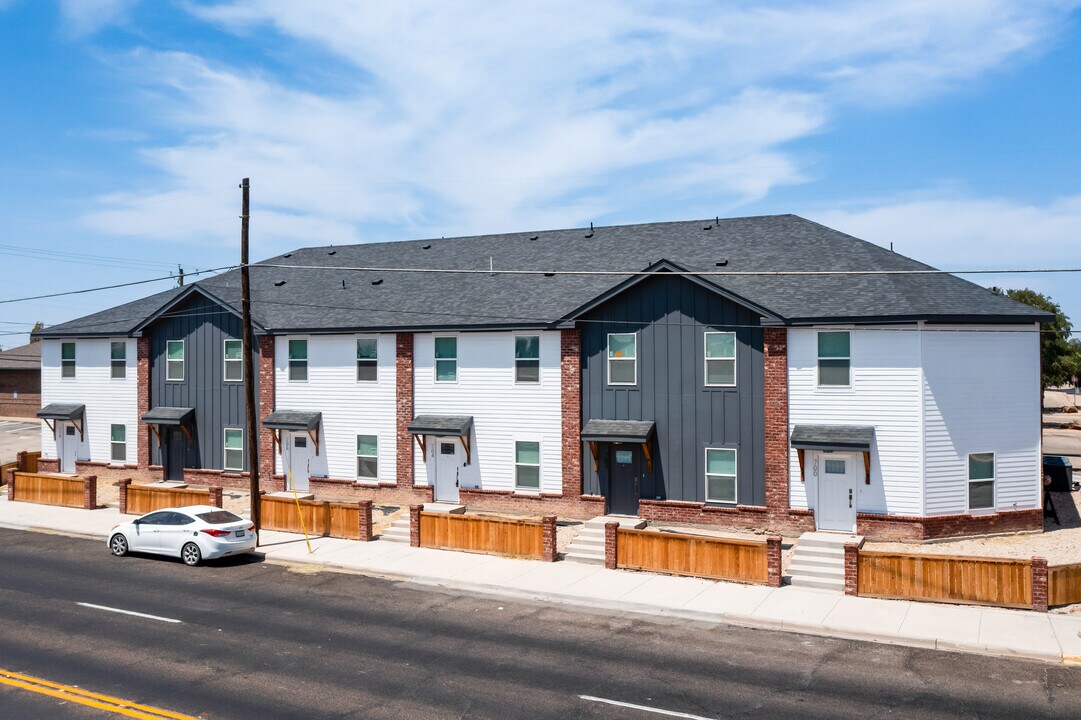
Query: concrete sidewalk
[[991, 631]]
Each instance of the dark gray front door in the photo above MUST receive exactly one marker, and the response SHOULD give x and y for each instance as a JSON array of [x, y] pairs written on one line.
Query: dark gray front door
[[176, 448], [624, 474]]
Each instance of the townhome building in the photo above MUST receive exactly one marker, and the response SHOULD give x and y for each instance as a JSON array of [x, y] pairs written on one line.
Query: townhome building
[[764, 373]]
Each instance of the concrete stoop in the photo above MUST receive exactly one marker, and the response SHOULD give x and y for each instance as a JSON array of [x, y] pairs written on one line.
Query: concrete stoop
[[588, 546], [398, 531], [819, 560]]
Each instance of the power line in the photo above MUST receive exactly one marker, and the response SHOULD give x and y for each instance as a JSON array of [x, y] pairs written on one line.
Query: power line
[[113, 287]]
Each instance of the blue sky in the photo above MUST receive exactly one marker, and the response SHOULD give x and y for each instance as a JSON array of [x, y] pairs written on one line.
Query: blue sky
[[948, 129]]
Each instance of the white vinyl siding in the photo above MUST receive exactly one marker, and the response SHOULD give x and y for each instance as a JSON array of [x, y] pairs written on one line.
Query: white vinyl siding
[[349, 407], [981, 393], [884, 392], [234, 361], [503, 411], [109, 401], [234, 450]]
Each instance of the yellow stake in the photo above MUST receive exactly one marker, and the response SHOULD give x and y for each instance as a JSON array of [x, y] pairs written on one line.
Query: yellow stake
[[300, 513]]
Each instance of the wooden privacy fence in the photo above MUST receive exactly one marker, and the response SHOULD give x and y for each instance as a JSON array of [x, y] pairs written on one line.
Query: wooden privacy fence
[[76, 492], [1064, 585], [473, 533], [947, 578], [750, 561], [141, 499], [352, 521], [25, 461]]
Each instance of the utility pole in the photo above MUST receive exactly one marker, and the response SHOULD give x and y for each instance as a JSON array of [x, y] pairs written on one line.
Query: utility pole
[[180, 276], [249, 363]]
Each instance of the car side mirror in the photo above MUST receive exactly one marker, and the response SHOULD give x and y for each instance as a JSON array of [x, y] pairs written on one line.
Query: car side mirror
[[136, 521]]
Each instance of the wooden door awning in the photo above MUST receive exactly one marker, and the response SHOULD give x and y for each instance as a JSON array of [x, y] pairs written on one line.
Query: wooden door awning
[[458, 426], [294, 421], [182, 416], [637, 432], [67, 412], [834, 438]]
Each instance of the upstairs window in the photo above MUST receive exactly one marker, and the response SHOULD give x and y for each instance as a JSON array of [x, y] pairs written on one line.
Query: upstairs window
[[298, 360], [174, 360], [367, 359], [835, 358], [234, 361], [527, 359], [527, 465], [622, 358], [118, 360], [446, 359], [118, 443], [234, 450], [720, 475], [367, 457], [981, 481], [67, 360], [721, 359]]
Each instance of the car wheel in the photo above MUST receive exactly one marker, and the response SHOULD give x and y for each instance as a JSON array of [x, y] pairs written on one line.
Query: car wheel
[[190, 554], [118, 545]]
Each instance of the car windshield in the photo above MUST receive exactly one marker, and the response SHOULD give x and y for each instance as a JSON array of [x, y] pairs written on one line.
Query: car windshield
[[219, 517]]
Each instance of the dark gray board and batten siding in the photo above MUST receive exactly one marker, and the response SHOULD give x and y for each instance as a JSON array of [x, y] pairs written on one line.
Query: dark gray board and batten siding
[[671, 316], [204, 326]]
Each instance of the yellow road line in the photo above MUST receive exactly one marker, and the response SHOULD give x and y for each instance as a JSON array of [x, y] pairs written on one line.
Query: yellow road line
[[85, 697]]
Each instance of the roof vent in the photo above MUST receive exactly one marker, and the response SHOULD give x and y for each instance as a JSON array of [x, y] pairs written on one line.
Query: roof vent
[[708, 227], [343, 283], [549, 274], [590, 231], [534, 237], [332, 252], [279, 284], [426, 247], [288, 255], [377, 282], [722, 263]]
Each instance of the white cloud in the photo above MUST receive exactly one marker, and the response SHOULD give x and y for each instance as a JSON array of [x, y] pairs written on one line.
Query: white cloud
[[462, 117], [86, 17]]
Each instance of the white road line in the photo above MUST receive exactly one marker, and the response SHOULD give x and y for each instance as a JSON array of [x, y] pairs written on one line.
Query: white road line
[[136, 614], [645, 708]]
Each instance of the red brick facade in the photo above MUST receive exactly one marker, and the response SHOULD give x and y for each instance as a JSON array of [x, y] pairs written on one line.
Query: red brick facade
[[908, 528], [852, 568], [548, 538], [1039, 584], [404, 392], [266, 406], [142, 375], [773, 561], [570, 370], [20, 391], [775, 398]]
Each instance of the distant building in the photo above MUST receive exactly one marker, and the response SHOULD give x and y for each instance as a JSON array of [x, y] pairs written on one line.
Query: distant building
[[20, 381]]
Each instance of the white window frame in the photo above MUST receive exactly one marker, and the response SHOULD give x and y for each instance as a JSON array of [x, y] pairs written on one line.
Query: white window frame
[[993, 480], [369, 457], [72, 361], [289, 361], [225, 450], [609, 358], [706, 358], [456, 359], [113, 361], [819, 359], [225, 360], [113, 443], [374, 361], [735, 478], [514, 461], [183, 361], [517, 359]]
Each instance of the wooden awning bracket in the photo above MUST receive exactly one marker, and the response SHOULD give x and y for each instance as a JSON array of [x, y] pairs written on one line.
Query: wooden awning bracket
[[79, 424], [593, 451], [799, 455], [154, 429], [866, 467], [277, 437], [315, 440], [51, 425], [187, 434], [423, 447], [465, 444], [649, 456]]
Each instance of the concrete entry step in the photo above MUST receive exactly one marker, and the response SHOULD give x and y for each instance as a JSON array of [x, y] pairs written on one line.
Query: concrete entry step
[[819, 560], [288, 494], [442, 507], [632, 523], [398, 531], [166, 484]]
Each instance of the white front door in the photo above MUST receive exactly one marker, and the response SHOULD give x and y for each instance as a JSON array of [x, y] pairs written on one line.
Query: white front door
[[447, 466], [69, 446], [837, 488], [298, 462]]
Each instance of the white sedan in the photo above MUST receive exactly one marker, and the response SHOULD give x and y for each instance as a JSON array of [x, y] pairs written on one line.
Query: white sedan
[[194, 533]]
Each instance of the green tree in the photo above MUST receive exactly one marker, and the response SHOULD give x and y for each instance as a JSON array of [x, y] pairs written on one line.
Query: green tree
[[37, 327], [1056, 352]]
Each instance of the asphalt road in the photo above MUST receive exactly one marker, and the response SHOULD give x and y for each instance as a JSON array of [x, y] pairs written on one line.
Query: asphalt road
[[264, 641], [18, 435]]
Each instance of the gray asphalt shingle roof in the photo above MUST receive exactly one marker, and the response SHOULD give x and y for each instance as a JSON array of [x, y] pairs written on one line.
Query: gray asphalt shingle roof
[[24, 357], [833, 437], [315, 299]]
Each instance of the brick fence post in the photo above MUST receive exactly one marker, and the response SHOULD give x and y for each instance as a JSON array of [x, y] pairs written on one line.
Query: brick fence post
[[90, 492], [773, 560], [611, 548], [124, 483], [215, 496], [548, 538], [1039, 584], [852, 569], [20, 459], [364, 508], [11, 486], [414, 525]]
